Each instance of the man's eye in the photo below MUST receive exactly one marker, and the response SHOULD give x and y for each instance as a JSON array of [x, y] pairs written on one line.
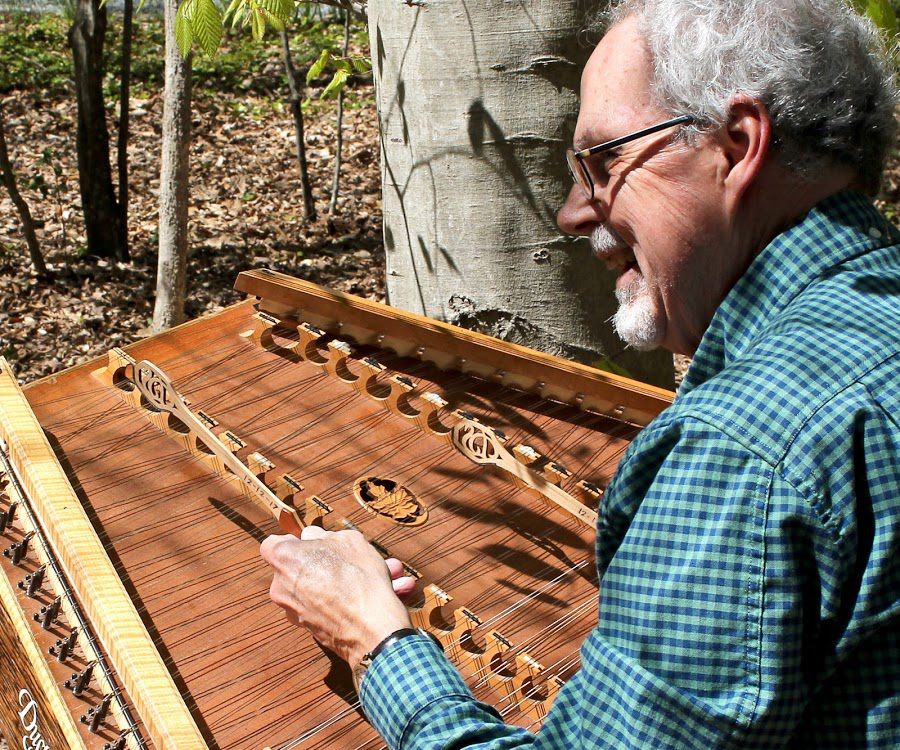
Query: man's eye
[[602, 163]]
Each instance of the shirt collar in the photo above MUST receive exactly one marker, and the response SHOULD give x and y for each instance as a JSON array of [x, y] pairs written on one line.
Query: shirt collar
[[837, 229]]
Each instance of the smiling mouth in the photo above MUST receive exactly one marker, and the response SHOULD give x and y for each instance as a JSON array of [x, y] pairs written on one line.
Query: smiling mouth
[[609, 247], [619, 259]]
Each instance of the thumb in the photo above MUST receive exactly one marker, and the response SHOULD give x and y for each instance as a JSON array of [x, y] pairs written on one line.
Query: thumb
[[314, 532]]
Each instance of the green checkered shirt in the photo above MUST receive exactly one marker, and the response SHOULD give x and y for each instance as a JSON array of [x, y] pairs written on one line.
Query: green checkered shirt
[[749, 547]]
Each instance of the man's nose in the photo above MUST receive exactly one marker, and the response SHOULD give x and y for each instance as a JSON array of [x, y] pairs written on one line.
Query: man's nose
[[578, 215]]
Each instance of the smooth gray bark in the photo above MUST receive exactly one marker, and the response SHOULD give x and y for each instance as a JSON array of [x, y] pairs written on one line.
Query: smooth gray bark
[[477, 103], [339, 128], [174, 182]]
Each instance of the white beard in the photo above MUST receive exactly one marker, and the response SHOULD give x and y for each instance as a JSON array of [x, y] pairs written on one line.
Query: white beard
[[636, 321]]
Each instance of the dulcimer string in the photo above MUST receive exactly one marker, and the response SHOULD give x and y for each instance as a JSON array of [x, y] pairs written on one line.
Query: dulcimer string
[[176, 493], [540, 637], [505, 714], [463, 384], [264, 577], [578, 611], [215, 371]]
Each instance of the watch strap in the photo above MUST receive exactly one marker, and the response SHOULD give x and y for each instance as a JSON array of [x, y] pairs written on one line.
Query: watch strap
[[398, 635]]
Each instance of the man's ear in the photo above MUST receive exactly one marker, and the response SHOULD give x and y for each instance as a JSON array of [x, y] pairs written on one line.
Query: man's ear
[[746, 141]]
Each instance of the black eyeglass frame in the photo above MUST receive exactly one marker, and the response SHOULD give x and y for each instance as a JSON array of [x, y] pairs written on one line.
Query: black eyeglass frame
[[575, 158]]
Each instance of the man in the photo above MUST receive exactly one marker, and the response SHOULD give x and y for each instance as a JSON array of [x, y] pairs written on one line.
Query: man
[[749, 546]]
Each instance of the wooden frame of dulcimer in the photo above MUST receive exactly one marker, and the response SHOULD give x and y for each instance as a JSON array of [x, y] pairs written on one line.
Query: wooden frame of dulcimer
[[134, 491]]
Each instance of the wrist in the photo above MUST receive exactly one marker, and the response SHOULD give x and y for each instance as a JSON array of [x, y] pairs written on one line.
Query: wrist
[[360, 667], [374, 635]]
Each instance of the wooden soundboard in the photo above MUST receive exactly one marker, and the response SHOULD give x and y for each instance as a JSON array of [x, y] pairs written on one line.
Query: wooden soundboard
[[480, 464]]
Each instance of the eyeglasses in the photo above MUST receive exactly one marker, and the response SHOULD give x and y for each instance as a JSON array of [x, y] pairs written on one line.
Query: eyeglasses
[[575, 159]]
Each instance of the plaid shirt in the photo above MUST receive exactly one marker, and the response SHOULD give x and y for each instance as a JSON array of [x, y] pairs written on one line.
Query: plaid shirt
[[749, 547]]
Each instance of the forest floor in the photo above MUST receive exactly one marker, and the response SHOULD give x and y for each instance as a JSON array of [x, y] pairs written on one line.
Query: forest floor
[[245, 211], [246, 207]]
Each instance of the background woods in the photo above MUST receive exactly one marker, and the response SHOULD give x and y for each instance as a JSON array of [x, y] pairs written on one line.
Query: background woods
[[245, 207], [246, 198]]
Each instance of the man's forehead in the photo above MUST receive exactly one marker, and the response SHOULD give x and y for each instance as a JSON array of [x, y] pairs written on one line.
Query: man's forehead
[[610, 114], [615, 91]]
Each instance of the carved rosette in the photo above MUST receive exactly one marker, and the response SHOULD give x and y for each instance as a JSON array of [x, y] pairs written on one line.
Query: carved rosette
[[476, 443], [391, 500], [154, 386]]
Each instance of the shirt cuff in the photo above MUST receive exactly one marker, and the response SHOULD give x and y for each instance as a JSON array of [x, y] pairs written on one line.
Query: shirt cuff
[[410, 675]]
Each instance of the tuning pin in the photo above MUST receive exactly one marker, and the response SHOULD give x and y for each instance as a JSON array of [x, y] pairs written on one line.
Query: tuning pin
[[96, 715], [118, 743], [47, 616], [32, 582], [79, 680], [63, 646], [8, 516], [17, 551]]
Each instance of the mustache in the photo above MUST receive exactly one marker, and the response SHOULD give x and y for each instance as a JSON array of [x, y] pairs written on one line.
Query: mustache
[[604, 239]]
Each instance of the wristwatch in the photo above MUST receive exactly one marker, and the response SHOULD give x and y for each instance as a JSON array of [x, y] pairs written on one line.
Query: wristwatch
[[360, 669]]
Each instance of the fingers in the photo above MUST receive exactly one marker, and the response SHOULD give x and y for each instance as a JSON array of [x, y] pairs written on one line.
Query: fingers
[[403, 586], [394, 566], [337, 586]]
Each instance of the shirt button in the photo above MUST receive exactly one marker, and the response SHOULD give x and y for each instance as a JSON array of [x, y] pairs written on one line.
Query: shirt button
[[874, 233]]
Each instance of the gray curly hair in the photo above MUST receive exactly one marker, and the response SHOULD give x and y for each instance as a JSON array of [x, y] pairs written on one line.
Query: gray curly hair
[[821, 70]]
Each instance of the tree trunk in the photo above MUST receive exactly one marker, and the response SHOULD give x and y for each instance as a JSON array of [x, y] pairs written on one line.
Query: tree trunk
[[105, 235], [339, 127], [476, 110], [124, 121], [295, 84], [174, 181], [9, 180]]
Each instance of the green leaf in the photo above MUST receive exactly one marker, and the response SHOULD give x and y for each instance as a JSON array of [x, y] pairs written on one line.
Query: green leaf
[[206, 24], [280, 9], [318, 66], [336, 83], [341, 64], [240, 16], [234, 10], [183, 34], [881, 12], [607, 365], [361, 64], [258, 23]]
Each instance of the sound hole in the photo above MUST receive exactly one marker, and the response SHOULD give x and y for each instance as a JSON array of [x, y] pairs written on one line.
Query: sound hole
[[176, 425], [390, 499], [123, 378]]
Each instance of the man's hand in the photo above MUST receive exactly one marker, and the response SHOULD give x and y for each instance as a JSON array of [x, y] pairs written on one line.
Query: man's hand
[[337, 586]]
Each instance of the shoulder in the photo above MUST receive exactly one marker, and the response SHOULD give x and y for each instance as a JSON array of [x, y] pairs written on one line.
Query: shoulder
[[816, 395]]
